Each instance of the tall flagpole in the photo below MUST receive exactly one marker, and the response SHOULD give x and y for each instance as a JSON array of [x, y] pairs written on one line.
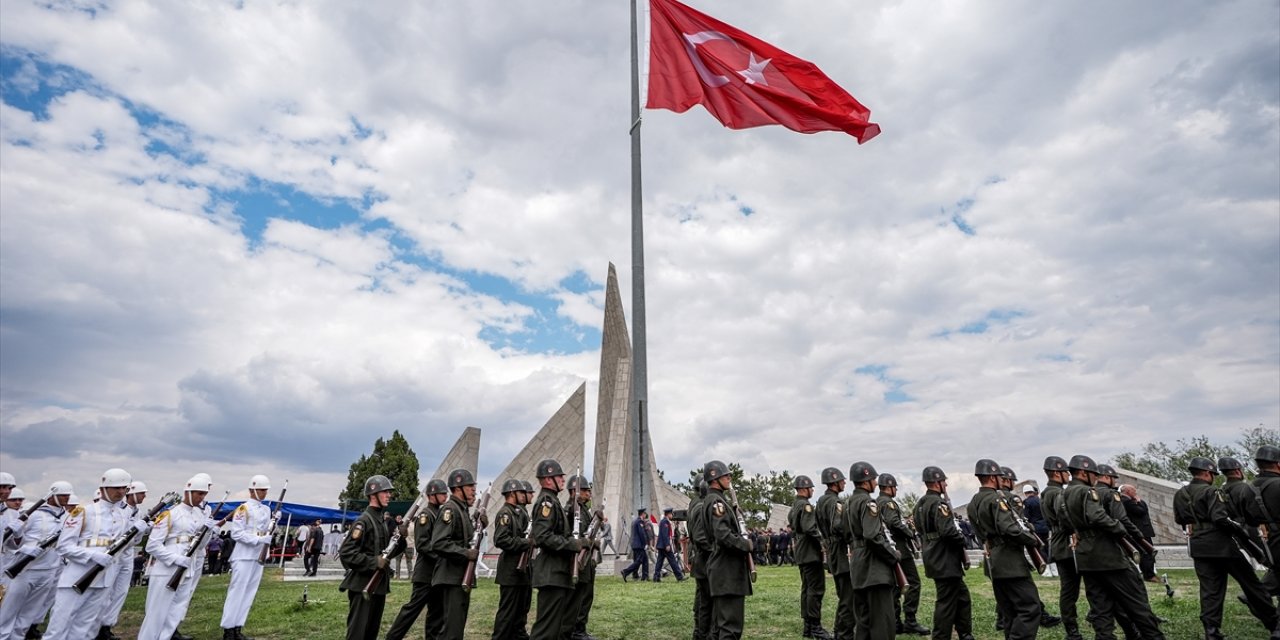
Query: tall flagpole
[[641, 488]]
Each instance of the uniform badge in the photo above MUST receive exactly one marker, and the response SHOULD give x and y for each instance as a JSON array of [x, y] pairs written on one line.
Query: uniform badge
[[357, 531], [1093, 495], [1004, 506], [546, 510], [871, 506], [1221, 498], [891, 505], [718, 509], [504, 520], [446, 516], [839, 507], [422, 520], [942, 508], [808, 508], [1116, 496], [77, 511]]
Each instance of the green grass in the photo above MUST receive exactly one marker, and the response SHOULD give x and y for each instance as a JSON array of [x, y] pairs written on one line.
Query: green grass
[[644, 610]]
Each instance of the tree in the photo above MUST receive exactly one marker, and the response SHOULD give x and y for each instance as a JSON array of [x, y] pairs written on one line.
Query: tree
[[392, 458], [1170, 462], [909, 502]]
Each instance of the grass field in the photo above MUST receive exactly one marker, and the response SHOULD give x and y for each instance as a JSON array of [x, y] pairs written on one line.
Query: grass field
[[644, 610]]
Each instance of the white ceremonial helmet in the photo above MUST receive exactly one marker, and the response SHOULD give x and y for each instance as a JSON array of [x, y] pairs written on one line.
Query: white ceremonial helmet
[[17, 494], [200, 482], [73, 500], [115, 478], [259, 482], [137, 486], [60, 488], [6, 479]]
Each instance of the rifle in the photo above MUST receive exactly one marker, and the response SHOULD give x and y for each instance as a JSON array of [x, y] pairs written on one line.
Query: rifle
[[469, 577], [275, 517], [125, 540], [742, 528], [593, 531], [1249, 546], [196, 542], [21, 563], [525, 556], [898, 573], [1168, 590], [1033, 551], [392, 543], [577, 518], [946, 499], [26, 513]]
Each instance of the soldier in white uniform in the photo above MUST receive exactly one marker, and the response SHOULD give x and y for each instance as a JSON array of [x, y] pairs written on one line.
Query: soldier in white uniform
[[31, 593], [86, 535], [10, 510], [251, 529], [171, 536], [133, 502]]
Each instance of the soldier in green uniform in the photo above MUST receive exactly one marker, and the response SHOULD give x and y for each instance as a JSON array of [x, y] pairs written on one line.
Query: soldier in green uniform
[[1112, 583], [584, 592], [1007, 480], [808, 557], [556, 548], [728, 572], [1244, 502], [1267, 485], [510, 534], [451, 542], [906, 601], [1055, 471], [872, 558], [835, 536], [945, 558], [423, 595], [1204, 509], [699, 554], [361, 555], [1004, 539], [1109, 497]]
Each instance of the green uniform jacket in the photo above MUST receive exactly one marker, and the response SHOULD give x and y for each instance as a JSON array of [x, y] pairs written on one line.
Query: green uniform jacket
[[450, 539], [899, 530], [993, 522], [834, 531], [1098, 532], [556, 546], [587, 573], [1115, 508], [509, 534], [1204, 507], [1268, 484], [1059, 527], [944, 545], [872, 556], [360, 551], [425, 564], [727, 570], [700, 553], [807, 546]]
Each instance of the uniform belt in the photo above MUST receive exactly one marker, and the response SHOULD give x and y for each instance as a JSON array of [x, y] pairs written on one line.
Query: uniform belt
[[179, 539], [97, 542], [857, 544], [932, 536]]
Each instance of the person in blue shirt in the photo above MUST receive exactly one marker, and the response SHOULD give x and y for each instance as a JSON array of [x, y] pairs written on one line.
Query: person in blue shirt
[[639, 547], [666, 548]]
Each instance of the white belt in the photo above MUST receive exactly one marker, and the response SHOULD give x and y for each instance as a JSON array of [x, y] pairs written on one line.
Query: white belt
[[179, 539], [97, 542]]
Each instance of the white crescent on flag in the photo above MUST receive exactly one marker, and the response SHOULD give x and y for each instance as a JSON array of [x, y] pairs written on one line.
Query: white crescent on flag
[[691, 42]]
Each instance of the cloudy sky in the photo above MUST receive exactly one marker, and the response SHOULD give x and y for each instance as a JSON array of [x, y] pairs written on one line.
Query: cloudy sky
[[253, 237]]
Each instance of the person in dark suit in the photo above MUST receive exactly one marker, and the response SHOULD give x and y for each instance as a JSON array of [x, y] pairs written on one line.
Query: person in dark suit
[[639, 547], [666, 548], [1140, 515]]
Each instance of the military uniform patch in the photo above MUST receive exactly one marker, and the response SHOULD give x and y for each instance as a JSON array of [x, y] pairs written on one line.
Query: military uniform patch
[[357, 531], [1116, 497], [1004, 506], [942, 508], [446, 516], [891, 505], [504, 520], [77, 511], [718, 510], [1221, 498], [808, 508], [422, 520], [1093, 495], [871, 506], [546, 510], [839, 507]]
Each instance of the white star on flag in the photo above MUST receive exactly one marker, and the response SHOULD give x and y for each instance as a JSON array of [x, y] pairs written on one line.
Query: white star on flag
[[754, 73]]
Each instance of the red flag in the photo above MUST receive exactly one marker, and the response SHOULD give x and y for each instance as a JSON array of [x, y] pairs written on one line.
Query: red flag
[[743, 81]]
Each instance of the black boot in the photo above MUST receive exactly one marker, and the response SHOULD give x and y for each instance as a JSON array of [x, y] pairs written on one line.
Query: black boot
[[808, 629], [229, 634], [914, 626], [1072, 631], [240, 634], [1047, 620], [177, 635], [34, 633], [819, 633], [1213, 633], [104, 633]]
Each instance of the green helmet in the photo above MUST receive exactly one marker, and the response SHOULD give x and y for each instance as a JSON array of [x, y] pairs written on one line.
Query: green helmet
[[436, 487], [511, 486], [713, 470], [933, 474], [862, 471], [1008, 474], [1081, 462], [460, 478], [1267, 453], [803, 482], [377, 483], [578, 483], [1202, 464], [986, 467], [1107, 470], [528, 486], [1054, 463], [887, 480], [832, 475], [549, 468], [1229, 464]]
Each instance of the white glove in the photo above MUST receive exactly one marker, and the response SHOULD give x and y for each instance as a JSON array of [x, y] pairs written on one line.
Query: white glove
[[211, 522], [101, 558]]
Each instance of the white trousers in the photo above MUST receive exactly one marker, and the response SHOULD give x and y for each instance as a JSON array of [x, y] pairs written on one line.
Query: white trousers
[[245, 576], [28, 599], [166, 609], [75, 615], [119, 589]]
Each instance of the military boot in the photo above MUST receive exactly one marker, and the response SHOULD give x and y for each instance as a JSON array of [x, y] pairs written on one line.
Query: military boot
[[178, 635], [229, 634], [817, 632], [240, 634], [1047, 619], [1072, 631], [914, 626], [34, 633], [1213, 633]]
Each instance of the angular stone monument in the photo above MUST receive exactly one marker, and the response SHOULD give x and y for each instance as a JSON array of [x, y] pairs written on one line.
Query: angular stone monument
[[562, 438], [465, 454]]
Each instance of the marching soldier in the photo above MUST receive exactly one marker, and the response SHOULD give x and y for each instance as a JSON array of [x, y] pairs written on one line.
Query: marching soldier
[[945, 558], [1109, 497], [872, 557], [1244, 500], [727, 569], [251, 529], [30, 593], [424, 595], [451, 542], [906, 601], [1060, 531], [1268, 488], [510, 535], [584, 593], [83, 542], [836, 537], [552, 566], [120, 590], [1214, 552], [1007, 480], [699, 554], [171, 535], [994, 522], [9, 524], [808, 557], [361, 555]]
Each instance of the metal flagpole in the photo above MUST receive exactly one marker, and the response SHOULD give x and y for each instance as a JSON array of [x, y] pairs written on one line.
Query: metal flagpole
[[641, 489]]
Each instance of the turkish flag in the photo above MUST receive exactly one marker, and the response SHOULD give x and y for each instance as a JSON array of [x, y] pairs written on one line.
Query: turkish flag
[[743, 81]]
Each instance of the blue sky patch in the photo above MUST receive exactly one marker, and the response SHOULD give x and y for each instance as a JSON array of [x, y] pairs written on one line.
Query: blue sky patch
[[984, 324], [894, 394]]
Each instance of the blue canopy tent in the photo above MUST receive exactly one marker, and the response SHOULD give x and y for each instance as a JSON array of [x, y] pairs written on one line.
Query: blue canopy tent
[[296, 513]]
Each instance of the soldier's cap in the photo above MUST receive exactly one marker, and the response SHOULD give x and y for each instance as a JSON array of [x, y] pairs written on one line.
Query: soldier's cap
[[549, 468], [1107, 470], [887, 480], [933, 474], [986, 467], [861, 471], [832, 475], [511, 485], [1267, 453], [1081, 462], [436, 486], [1202, 464], [667, 510], [1054, 463], [1229, 464], [1008, 474], [642, 510], [802, 482], [1031, 488]]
